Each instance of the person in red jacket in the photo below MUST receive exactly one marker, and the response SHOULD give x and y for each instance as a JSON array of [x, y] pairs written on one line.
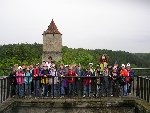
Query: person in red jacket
[[125, 74], [36, 79], [87, 82], [71, 80]]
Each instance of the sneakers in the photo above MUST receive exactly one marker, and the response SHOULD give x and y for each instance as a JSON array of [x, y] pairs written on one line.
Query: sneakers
[[83, 96], [62, 97]]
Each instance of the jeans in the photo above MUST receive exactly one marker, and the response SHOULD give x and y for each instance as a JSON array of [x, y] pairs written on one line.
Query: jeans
[[79, 87], [36, 87], [125, 89], [98, 89], [28, 89], [20, 89], [45, 89], [71, 89], [87, 89], [105, 85], [62, 88], [54, 90]]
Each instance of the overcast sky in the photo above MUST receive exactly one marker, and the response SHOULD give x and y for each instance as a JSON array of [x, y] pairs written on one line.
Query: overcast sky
[[91, 24]]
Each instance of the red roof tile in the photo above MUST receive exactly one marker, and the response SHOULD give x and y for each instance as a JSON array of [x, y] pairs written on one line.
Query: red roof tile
[[52, 29]]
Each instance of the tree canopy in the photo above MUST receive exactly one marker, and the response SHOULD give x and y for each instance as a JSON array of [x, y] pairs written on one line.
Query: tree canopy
[[32, 53]]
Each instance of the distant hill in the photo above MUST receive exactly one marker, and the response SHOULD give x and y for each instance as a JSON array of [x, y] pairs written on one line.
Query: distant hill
[[145, 56], [32, 53]]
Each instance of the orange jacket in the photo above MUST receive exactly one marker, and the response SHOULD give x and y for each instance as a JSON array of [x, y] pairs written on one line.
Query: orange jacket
[[125, 74]]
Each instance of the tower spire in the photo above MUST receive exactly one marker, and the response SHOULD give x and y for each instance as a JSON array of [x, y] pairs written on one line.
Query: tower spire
[[52, 29]]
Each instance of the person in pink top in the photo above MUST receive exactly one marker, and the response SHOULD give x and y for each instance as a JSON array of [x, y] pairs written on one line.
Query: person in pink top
[[20, 82]]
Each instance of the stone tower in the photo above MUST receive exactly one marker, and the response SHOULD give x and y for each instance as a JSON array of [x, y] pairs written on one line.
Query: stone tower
[[52, 43]]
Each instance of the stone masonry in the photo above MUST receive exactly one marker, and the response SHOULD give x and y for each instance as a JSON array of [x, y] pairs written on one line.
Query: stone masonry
[[52, 43]]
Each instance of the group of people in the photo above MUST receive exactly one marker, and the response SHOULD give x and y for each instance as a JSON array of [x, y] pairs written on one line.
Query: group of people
[[48, 80]]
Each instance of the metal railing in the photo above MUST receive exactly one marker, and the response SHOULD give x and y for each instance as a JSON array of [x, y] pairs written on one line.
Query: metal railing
[[95, 87], [66, 87], [4, 89], [143, 88]]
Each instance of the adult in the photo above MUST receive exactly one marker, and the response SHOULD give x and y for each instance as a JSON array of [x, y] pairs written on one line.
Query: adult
[[87, 82], [71, 80], [125, 74], [53, 80], [44, 74], [36, 80], [61, 75], [78, 84], [131, 74]]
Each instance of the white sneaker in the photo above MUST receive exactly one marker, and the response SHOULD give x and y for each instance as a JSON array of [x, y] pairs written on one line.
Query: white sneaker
[[62, 97], [83, 96]]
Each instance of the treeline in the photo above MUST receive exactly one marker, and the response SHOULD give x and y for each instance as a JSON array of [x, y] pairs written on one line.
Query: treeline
[[32, 53]]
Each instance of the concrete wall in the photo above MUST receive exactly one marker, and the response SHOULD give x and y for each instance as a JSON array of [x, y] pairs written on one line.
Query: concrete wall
[[80, 105]]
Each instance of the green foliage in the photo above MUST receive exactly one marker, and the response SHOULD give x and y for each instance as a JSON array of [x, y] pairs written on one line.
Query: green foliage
[[20, 54], [32, 53]]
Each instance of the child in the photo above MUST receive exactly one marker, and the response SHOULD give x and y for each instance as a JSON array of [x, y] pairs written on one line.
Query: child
[[28, 80], [61, 74], [44, 80], [87, 82], [36, 78], [20, 82], [53, 81], [125, 74], [71, 80]]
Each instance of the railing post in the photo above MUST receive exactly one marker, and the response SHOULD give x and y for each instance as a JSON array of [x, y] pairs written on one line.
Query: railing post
[[141, 87], [82, 87], [138, 86], [4, 96], [60, 82], [147, 88], [133, 85], [8, 87], [1, 79], [53, 77], [144, 88]]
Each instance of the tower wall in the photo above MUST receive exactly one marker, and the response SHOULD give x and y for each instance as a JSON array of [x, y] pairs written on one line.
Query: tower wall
[[52, 46]]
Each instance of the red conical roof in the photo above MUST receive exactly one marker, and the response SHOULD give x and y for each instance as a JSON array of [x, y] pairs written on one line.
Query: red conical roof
[[52, 29]]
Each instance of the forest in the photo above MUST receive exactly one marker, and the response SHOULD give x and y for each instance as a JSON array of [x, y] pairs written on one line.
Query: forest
[[32, 53]]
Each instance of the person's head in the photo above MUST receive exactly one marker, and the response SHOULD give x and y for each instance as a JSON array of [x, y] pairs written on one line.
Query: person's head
[[44, 62], [115, 68], [61, 66], [123, 66], [79, 67], [98, 68], [49, 59], [15, 67], [45, 67], [19, 68], [31, 66], [128, 66], [53, 68], [36, 66], [28, 69], [23, 66], [88, 68], [90, 65], [71, 67]]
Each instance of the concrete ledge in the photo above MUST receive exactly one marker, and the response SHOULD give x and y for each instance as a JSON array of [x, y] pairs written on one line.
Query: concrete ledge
[[104, 102]]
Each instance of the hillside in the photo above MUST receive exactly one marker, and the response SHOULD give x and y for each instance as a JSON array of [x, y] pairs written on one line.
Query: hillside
[[32, 53]]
